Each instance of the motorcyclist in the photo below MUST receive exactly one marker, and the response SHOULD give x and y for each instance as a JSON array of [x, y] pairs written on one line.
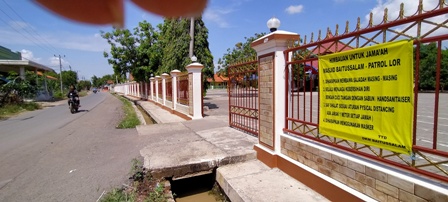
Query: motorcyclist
[[74, 92]]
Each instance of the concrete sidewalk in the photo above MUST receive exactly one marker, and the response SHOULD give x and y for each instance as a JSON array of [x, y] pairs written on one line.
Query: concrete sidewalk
[[182, 149]]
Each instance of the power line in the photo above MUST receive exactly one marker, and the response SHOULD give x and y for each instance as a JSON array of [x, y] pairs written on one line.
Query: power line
[[31, 27], [23, 34], [46, 49]]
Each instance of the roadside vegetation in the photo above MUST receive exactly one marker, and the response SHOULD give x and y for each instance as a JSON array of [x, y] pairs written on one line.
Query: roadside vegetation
[[148, 50], [142, 187], [17, 93], [10, 110], [130, 119]]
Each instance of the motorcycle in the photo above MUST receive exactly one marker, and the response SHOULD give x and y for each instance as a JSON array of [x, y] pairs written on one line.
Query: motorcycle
[[73, 103]]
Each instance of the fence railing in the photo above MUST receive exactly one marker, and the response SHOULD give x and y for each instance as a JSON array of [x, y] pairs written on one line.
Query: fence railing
[[182, 90], [174, 92], [429, 151], [160, 89], [243, 96], [169, 89]]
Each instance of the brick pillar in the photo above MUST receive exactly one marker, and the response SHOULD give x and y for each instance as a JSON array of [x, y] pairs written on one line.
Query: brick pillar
[[271, 60], [266, 97], [195, 90], [174, 74]]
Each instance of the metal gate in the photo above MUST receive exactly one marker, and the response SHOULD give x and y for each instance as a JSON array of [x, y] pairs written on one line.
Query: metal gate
[[428, 30], [243, 96]]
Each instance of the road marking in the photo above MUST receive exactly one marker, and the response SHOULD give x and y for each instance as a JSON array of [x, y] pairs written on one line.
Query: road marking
[[429, 141]]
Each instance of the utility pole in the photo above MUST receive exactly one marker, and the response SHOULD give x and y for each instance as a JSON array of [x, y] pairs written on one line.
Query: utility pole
[[191, 36], [60, 71]]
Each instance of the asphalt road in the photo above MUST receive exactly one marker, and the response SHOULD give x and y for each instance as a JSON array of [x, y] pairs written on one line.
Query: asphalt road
[[53, 155]]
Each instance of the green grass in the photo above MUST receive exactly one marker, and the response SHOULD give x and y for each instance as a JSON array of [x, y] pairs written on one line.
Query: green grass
[[14, 109], [143, 187], [119, 195], [130, 120], [82, 93]]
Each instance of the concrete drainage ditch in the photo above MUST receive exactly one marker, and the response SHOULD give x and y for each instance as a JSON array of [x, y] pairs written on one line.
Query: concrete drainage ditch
[[202, 187]]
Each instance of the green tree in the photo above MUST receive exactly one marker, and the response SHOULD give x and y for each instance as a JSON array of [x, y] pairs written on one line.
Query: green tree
[[52, 85], [175, 42], [96, 81], [69, 78], [148, 51], [427, 70], [133, 52], [241, 51], [84, 85], [202, 52], [123, 52], [106, 78], [18, 88]]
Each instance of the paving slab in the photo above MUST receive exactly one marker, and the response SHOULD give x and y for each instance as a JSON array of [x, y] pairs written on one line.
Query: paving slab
[[158, 114], [163, 128], [177, 160], [205, 124], [231, 141], [254, 181]]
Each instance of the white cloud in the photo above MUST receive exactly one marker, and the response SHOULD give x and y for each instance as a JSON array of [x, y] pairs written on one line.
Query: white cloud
[[410, 8], [294, 9], [93, 42], [216, 17], [54, 62], [20, 25], [28, 55], [47, 40]]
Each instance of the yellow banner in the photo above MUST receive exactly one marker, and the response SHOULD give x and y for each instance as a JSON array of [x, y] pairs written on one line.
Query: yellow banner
[[366, 95]]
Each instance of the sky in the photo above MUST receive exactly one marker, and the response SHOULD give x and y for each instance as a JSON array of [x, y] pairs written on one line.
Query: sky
[[42, 36]]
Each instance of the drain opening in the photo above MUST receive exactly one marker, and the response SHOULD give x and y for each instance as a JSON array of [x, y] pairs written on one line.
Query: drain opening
[[199, 188]]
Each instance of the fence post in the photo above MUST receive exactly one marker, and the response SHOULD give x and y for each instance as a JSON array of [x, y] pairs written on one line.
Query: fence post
[[146, 90], [174, 74], [164, 75], [195, 91], [157, 88], [133, 88], [272, 93], [126, 88], [138, 88], [151, 84]]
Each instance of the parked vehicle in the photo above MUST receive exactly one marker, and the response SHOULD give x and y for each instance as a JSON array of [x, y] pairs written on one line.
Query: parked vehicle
[[73, 103]]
